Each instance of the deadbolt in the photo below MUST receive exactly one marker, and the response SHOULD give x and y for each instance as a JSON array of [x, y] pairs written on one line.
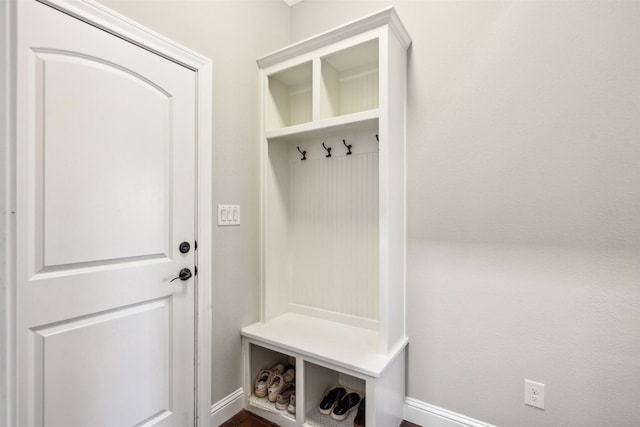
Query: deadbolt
[[184, 247]]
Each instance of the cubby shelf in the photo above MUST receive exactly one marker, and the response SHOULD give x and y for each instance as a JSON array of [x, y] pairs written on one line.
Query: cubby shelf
[[347, 123], [264, 404], [333, 219]]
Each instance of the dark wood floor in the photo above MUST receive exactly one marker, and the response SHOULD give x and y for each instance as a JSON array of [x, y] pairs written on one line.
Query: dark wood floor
[[247, 419]]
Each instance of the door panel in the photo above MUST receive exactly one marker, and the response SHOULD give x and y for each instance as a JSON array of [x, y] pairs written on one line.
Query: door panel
[[108, 366], [132, 197], [106, 193]]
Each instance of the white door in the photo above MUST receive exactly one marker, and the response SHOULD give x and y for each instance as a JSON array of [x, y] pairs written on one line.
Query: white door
[[106, 195]]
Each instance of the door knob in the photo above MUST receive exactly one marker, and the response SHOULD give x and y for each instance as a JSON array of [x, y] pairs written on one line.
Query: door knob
[[185, 274]]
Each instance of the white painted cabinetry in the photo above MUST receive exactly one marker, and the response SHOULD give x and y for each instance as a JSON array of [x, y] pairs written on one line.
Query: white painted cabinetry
[[333, 221]]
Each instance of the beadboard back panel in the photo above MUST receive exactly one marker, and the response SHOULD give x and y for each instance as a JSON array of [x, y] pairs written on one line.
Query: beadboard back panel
[[359, 92], [334, 233], [300, 102]]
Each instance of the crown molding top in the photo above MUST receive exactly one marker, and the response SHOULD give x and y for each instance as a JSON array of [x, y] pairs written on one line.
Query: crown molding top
[[386, 16]]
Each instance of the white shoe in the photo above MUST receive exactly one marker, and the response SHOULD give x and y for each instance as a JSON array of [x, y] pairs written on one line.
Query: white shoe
[[264, 379], [278, 381]]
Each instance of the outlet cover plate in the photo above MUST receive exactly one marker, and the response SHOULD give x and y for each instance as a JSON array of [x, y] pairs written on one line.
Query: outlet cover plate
[[534, 394]]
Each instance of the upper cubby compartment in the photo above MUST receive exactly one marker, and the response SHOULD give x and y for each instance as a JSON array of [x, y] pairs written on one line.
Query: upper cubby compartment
[[349, 82], [289, 97]]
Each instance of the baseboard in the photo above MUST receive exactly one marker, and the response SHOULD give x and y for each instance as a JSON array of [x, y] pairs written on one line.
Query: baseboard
[[415, 411], [227, 407], [427, 415]]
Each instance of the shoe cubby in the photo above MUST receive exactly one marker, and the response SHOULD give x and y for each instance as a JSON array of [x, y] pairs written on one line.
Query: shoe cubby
[[319, 381], [349, 80], [289, 97], [262, 358], [384, 391], [333, 211]]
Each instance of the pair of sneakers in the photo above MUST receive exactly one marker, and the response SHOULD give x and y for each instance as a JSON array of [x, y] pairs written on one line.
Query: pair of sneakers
[[270, 382], [339, 403]]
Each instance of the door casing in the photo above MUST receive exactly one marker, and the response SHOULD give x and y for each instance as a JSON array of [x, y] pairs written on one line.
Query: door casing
[[99, 16]]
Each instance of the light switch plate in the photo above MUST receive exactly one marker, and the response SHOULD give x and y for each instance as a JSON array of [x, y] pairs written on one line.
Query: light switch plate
[[228, 215]]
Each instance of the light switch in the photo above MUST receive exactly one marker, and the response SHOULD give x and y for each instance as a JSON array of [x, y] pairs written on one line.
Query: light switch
[[228, 215]]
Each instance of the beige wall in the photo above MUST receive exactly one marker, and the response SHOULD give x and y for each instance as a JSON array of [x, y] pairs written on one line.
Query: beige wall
[[233, 34], [523, 194], [523, 204]]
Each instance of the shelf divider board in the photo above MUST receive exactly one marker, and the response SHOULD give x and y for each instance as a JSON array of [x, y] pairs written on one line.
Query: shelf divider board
[[362, 119], [316, 89], [316, 419], [263, 403]]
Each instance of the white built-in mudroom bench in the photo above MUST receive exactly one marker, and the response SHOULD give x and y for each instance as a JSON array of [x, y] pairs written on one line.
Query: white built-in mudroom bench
[[333, 222]]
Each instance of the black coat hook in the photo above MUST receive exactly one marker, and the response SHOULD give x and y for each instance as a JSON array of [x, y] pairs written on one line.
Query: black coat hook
[[304, 154], [328, 150], [377, 138], [348, 147]]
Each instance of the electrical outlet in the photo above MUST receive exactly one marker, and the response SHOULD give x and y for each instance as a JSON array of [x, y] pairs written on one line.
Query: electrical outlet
[[534, 394]]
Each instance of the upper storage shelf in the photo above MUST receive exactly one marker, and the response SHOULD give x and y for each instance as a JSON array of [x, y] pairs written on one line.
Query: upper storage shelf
[[349, 82], [289, 97], [330, 80]]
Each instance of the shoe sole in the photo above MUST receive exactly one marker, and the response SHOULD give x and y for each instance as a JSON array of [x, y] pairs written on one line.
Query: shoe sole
[[327, 411], [344, 416]]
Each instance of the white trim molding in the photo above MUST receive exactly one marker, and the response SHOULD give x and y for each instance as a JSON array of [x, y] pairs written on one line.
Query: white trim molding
[[386, 16], [99, 16], [428, 415], [227, 407], [7, 211]]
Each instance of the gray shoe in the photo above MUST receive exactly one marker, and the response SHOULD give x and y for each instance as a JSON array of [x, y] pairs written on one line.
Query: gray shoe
[[284, 396]]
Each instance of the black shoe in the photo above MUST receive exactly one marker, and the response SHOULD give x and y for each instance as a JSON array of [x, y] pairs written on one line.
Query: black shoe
[[346, 405], [360, 416], [331, 399]]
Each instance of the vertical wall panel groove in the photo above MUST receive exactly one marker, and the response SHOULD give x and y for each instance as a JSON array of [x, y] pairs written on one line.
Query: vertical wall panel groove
[[334, 219], [359, 93], [300, 107]]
